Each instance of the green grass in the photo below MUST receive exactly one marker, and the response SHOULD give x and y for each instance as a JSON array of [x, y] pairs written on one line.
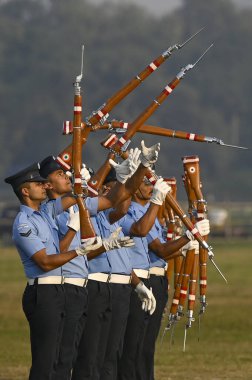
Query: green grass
[[225, 347], [15, 348]]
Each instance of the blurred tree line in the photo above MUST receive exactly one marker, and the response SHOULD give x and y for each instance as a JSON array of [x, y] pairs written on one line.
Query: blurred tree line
[[40, 50]]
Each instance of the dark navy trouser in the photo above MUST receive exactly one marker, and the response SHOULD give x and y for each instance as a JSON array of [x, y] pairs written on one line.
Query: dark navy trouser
[[44, 308]]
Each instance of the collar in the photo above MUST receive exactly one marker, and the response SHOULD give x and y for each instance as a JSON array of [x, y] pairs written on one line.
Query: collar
[[28, 210], [138, 206]]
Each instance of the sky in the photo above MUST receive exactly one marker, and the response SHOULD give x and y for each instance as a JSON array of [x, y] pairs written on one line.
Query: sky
[[159, 7]]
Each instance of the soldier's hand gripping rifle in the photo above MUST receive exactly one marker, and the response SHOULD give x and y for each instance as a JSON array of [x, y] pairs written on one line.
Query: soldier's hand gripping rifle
[[86, 228]]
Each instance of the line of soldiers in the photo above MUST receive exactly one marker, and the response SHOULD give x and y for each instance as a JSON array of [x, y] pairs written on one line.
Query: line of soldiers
[[94, 309]]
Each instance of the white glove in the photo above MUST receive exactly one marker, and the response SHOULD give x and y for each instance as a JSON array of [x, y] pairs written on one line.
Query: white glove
[[146, 297], [74, 219], [85, 175], [192, 244], [127, 167], [149, 155], [88, 245], [202, 226], [69, 174], [160, 190], [134, 160], [114, 241]]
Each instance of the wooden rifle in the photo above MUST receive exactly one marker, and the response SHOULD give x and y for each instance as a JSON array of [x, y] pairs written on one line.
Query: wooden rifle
[[86, 227], [193, 273], [117, 146], [102, 113], [120, 126]]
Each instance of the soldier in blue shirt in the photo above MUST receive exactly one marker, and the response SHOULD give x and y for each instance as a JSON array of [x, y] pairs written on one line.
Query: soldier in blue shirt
[[120, 282], [35, 235], [110, 281], [139, 344], [109, 278], [75, 273]]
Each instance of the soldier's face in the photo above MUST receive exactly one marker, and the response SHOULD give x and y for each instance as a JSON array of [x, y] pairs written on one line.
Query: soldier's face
[[59, 182], [36, 191], [145, 190], [106, 188]]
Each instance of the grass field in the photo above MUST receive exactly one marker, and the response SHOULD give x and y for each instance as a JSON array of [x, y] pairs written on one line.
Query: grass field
[[225, 347]]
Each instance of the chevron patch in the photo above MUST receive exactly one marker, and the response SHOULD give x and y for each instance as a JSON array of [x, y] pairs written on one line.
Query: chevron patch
[[25, 234]]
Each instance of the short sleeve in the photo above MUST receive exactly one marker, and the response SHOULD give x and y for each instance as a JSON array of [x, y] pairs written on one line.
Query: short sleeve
[[152, 234], [53, 207], [27, 240], [92, 205], [126, 223]]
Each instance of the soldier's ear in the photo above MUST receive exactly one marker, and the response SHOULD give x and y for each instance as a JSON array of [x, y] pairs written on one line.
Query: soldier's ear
[[49, 186], [25, 191]]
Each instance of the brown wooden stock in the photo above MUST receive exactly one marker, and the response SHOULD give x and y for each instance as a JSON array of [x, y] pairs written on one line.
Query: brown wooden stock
[[146, 114], [192, 173], [179, 211], [203, 256], [155, 130], [134, 127], [195, 259], [77, 147], [189, 260], [86, 227], [192, 170], [98, 178], [171, 227], [128, 88], [177, 268], [146, 128], [193, 282], [66, 154], [192, 199], [175, 300]]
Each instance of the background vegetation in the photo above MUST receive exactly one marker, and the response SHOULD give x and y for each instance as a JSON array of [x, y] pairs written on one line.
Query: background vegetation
[[40, 55]]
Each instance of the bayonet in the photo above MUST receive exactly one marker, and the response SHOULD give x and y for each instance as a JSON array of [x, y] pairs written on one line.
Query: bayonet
[[190, 38], [187, 68], [215, 265], [221, 142], [169, 51]]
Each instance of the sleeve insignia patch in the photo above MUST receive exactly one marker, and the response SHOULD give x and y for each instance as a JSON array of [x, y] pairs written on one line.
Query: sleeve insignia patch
[[25, 234]]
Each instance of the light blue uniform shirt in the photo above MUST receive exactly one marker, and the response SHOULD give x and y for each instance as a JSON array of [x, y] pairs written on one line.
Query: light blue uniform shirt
[[33, 231], [120, 258], [77, 267], [100, 263], [139, 253], [156, 261]]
